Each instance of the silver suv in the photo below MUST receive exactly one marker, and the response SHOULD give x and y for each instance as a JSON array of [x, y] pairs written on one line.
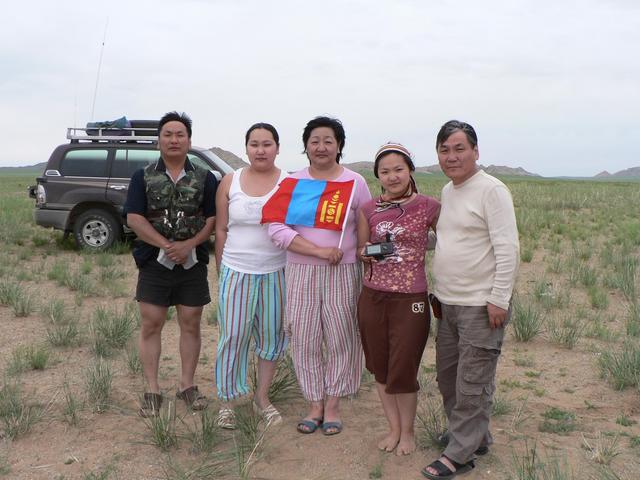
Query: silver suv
[[84, 185]]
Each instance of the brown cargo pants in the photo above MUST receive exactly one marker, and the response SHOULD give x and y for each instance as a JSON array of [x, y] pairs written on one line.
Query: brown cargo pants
[[467, 352]]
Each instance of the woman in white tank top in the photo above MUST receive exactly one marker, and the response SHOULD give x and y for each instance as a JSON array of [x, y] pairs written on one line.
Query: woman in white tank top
[[251, 284]]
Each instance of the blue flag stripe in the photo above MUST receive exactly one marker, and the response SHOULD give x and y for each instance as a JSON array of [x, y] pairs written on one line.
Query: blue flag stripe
[[304, 202]]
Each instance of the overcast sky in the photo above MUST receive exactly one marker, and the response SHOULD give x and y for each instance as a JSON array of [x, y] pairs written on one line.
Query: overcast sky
[[553, 87]]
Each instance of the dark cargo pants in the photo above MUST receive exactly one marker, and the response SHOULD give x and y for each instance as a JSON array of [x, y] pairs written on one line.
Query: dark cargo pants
[[467, 352]]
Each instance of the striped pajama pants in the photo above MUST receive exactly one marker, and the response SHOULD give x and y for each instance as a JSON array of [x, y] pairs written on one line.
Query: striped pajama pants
[[322, 328], [249, 306]]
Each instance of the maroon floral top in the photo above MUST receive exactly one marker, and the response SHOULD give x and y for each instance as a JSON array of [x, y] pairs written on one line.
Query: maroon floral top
[[407, 226]]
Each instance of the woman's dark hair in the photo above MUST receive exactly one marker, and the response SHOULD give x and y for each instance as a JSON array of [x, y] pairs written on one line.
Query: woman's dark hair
[[263, 126], [332, 123], [453, 126], [175, 117]]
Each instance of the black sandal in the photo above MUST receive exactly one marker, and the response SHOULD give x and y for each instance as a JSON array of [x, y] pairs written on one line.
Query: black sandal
[[444, 472], [150, 405], [193, 398]]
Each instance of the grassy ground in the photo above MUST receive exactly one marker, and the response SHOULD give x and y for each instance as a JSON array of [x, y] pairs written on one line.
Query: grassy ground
[[568, 399]]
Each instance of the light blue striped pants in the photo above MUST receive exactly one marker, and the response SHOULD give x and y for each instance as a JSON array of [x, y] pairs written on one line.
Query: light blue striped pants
[[249, 305]]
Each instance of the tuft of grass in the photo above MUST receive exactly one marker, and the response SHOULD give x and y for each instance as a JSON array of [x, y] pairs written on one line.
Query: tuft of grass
[[558, 421], [247, 438], [501, 406], [71, 405], [530, 466], [524, 360], [99, 379], [598, 297], [100, 474], [112, 329], [163, 427], [622, 367], [132, 357], [565, 332], [29, 357], [55, 311], [64, 334], [205, 434], [625, 421], [109, 274], [212, 315], [9, 291], [16, 414], [633, 320], [526, 255], [431, 422], [59, 273], [23, 303], [81, 283], [603, 449], [526, 321], [212, 466], [284, 385]]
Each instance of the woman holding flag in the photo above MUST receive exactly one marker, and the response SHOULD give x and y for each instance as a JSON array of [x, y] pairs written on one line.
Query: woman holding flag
[[251, 284], [313, 216], [393, 312]]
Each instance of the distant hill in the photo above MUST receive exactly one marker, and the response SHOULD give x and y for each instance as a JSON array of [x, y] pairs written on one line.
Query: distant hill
[[633, 172], [491, 169], [36, 169], [231, 158]]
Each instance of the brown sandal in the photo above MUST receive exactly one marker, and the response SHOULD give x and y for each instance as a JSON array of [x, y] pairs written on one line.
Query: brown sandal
[[193, 398], [150, 405]]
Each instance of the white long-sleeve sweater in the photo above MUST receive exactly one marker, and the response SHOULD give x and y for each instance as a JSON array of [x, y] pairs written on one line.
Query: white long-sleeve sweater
[[477, 253]]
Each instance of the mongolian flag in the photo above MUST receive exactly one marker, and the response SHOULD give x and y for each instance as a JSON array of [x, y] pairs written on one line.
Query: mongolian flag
[[311, 203]]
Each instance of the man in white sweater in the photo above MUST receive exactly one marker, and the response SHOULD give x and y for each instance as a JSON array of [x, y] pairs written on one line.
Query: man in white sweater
[[474, 268]]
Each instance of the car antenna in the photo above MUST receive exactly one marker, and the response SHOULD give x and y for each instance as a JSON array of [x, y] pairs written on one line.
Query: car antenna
[[95, 91]]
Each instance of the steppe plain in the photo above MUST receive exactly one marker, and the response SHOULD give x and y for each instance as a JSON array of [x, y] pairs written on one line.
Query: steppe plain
[[567, 403]]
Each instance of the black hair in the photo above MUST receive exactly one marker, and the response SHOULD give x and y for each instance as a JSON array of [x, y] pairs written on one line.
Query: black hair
[[453, 126], [175, 117], [332, 123], [263, 126]]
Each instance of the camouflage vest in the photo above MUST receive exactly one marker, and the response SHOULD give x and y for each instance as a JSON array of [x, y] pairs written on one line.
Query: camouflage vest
[[175, 210]]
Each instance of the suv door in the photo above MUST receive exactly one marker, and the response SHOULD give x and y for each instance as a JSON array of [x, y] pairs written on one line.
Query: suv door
[[125, 162], [83, 178]]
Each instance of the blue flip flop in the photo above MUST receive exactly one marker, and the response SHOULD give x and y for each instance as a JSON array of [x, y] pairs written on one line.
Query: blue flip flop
[[331, 428], [309, 426]]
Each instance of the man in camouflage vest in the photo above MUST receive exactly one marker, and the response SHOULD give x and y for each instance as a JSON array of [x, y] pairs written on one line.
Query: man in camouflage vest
[[171, 208]]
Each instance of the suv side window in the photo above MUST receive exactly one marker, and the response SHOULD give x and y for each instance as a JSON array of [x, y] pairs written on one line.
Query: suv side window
[[128, 161], [84, 163]]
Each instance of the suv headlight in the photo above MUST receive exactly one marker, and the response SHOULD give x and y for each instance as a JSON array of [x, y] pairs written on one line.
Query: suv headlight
[[41, 196]]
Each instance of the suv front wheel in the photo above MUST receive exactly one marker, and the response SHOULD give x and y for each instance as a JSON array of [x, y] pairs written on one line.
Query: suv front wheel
[[96, 230]]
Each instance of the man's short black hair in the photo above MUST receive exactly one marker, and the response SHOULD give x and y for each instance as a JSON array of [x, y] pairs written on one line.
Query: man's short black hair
[[175, 117], [453, 126], [332, 123]]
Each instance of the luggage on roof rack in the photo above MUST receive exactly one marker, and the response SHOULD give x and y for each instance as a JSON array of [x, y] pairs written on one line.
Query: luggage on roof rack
[[119, 130]]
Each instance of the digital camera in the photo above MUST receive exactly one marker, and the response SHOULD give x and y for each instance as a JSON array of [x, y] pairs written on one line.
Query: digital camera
[[379, 250]]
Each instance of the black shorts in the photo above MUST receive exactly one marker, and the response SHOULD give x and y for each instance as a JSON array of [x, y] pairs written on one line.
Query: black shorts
[[158, 285]]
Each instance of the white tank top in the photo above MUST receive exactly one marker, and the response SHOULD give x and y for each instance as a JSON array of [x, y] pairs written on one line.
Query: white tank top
[[248, 248]]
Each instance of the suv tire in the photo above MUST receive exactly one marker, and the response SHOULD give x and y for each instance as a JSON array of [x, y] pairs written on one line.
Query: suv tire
[[96, 229]]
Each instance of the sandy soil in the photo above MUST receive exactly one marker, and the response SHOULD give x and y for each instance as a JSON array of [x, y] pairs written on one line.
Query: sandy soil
[[119, 440]]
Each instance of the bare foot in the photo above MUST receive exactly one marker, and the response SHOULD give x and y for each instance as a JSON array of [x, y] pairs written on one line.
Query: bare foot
[[388, 442], [406, 445]]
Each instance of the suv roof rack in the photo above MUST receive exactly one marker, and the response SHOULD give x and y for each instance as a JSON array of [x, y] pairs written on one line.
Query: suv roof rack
[[110, 134]]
